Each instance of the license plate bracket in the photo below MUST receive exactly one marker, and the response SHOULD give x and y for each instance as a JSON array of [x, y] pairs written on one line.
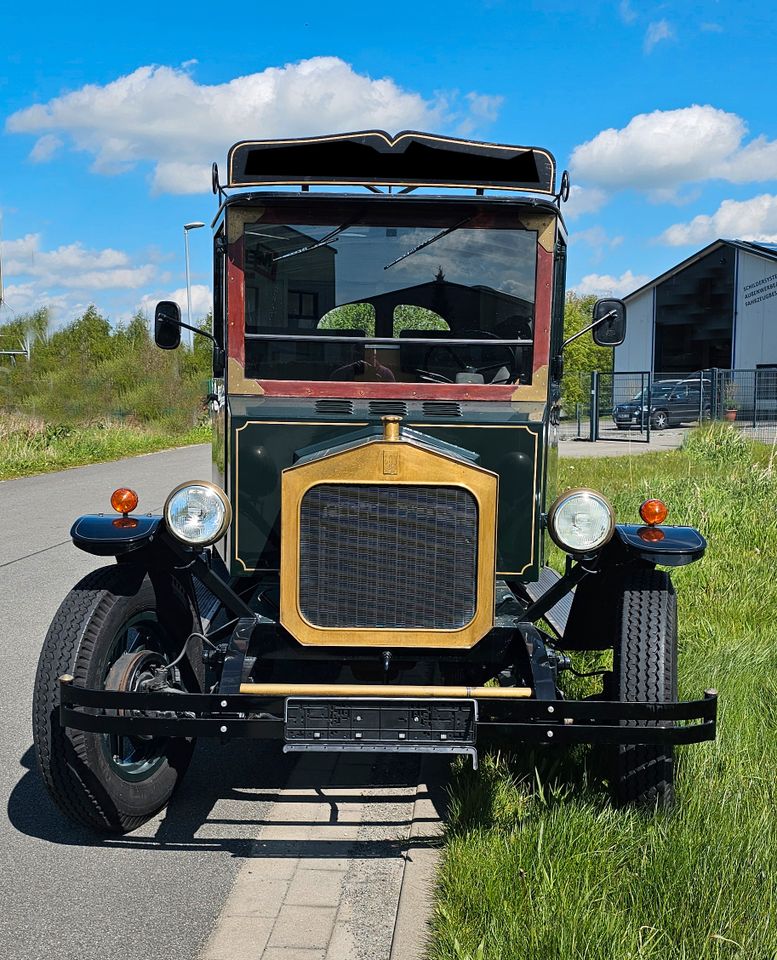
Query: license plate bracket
[[381, 725]]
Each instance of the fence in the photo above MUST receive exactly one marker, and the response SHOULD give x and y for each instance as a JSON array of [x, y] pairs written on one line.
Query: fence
[[638, 405]]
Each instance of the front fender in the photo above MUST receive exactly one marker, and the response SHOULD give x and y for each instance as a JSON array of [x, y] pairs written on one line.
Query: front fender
[[108, 536], [667, 546]]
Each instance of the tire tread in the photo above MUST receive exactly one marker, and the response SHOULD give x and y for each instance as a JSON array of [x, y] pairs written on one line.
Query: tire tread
[[645, 668]]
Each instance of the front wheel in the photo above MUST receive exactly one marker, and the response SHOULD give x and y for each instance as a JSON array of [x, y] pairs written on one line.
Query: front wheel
[[644, 668], [660, 420], [112, 631]]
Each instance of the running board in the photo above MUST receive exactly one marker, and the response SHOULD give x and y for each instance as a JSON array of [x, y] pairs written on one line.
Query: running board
[[558, 615]]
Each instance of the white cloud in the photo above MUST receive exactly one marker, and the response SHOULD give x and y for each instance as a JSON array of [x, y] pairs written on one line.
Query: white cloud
[[659, 152], [607, 285], [45, 148], [202, 301], [162, 115], [598, 240], [176, 177], [73, 265], [121, 279], [67, 277], [627, 12], [755, 161], [754, 219], [657, 32], [583, 200], [484, 108], [26, 297]]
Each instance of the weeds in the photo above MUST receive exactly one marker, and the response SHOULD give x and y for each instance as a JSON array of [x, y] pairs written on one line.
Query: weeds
[[30, 447]]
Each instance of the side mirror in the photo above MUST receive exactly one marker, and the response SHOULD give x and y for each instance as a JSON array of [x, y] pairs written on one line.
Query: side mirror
[[167, 325], [609, 332]]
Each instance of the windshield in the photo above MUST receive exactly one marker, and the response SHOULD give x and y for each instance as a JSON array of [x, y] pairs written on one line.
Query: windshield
[[324, 301], [657, 390]]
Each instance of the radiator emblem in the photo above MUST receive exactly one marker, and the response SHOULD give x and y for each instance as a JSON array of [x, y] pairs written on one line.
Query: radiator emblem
[[390, 463]]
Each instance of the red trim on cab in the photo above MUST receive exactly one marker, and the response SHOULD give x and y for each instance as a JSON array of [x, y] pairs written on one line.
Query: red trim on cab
[[236, 303], [388, 391], [542, 308]]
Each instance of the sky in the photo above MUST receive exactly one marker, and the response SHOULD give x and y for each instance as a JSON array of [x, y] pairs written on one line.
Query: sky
[[664, 113]]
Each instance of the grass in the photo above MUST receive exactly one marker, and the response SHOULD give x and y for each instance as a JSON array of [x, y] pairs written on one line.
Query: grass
[[28, 447], [537, 866]]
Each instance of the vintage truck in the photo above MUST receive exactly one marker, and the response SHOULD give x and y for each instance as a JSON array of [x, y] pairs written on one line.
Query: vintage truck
[[365, 571]]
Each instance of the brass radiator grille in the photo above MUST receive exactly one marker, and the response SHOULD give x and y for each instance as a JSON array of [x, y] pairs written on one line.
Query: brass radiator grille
[[388, 556]]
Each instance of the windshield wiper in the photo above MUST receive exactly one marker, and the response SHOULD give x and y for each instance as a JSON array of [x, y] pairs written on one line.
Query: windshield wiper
[[437, 236], [319, 243]]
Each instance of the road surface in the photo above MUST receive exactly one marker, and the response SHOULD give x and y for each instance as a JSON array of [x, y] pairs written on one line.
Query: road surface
[[195, 881]]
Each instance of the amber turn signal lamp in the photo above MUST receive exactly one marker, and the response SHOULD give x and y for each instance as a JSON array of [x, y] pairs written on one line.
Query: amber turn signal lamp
[[124, 500], [653, 512]]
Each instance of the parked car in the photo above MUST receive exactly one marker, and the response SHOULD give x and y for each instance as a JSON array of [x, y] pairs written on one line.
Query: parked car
[[668, 403], [365, 571]]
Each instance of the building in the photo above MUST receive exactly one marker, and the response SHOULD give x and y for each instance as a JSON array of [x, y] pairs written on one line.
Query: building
[[718, 309]]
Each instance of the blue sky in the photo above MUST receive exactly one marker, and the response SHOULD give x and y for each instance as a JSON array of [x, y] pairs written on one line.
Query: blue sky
[[664, 112]]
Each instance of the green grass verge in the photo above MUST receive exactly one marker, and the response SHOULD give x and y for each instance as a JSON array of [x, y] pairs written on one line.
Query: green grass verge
[[537, 866], [29, 449]]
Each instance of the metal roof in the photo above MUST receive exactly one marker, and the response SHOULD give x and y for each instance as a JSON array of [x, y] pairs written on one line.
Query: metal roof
[[760, 249]]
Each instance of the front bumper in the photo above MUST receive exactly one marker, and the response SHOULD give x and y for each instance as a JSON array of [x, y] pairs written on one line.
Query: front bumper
[[629, 416], [263, 717]]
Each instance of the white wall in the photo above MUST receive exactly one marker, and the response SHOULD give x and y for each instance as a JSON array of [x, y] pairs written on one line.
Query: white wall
[[636, 351], [755, 325]]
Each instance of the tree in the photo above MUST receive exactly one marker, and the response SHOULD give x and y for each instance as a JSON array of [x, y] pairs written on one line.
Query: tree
[[582, 356]]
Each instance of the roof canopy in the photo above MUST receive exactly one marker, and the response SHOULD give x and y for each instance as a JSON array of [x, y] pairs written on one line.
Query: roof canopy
[[373, 158]]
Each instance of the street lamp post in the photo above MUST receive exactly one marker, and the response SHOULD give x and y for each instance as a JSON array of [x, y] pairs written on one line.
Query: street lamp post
[[186, 228]]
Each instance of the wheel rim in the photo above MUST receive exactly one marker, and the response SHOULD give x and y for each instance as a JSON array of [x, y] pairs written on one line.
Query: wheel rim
[[661, 421], [138, 648]]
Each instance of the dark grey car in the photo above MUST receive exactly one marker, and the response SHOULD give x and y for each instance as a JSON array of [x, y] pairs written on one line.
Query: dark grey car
[[669, 403]]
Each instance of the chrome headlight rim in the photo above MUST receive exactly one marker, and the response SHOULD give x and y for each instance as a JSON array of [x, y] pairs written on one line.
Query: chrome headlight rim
[[224, 525], [561, 500]]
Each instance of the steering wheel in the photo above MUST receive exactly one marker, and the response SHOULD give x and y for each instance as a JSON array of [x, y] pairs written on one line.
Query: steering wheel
[[510, 356]]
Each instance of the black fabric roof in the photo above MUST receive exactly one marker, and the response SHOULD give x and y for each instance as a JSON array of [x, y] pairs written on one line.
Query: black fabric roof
[[374, 158]]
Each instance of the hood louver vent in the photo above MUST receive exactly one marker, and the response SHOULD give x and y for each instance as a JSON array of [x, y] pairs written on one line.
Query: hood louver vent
[[442, 408], [334, 406], [397, 408]]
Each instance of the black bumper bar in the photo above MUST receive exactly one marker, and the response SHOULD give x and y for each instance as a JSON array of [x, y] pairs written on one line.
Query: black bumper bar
[[261, 717]]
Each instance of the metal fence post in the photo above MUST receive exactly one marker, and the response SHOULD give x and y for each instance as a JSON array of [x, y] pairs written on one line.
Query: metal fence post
[[755, 398], [701, 397], [594, 431], [714, 399]]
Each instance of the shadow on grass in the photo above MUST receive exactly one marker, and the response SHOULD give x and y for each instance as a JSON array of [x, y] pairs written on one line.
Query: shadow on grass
[[510, 784]]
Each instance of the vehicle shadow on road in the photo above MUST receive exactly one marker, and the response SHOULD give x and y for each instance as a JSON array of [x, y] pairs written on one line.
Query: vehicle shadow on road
[[221, 805]]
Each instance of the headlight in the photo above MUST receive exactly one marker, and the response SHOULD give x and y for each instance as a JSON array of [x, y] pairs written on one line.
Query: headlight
[[581, 521], [198, 513]]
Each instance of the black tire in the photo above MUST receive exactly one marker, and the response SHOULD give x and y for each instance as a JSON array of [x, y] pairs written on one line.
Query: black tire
[[110, 610], [660, 420], [644, 668]]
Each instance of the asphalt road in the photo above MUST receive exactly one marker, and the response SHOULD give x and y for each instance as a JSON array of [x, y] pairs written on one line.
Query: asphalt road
[[64, 892]]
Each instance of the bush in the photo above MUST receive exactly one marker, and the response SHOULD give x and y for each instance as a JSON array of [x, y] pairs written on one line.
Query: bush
[[89, 371]]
